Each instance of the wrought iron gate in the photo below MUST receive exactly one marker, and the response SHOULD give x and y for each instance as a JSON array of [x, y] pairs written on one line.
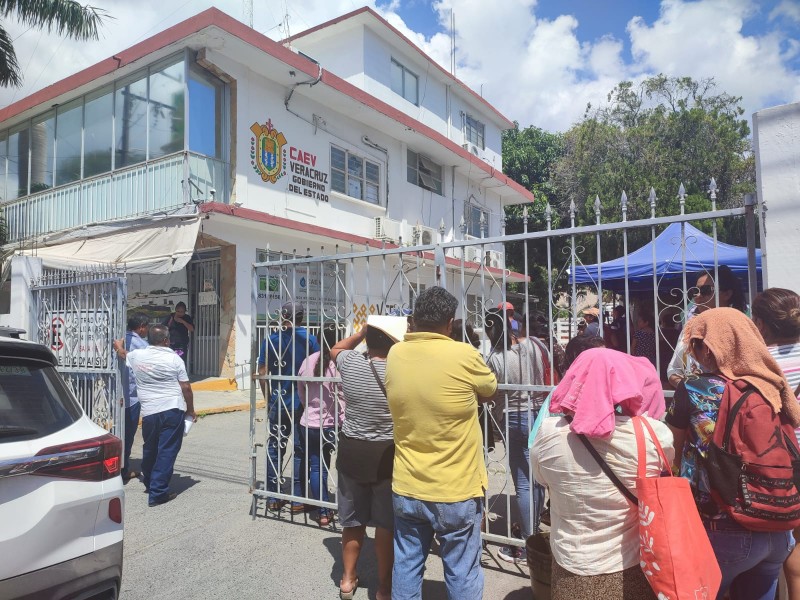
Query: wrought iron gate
[[204, 278], [78, 315], [343, 289]]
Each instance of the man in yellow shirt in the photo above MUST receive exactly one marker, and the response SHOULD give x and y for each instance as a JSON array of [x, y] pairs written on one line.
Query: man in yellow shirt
[[433, 384]]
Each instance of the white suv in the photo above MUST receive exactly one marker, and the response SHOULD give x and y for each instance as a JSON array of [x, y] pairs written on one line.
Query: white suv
[[61, 495]]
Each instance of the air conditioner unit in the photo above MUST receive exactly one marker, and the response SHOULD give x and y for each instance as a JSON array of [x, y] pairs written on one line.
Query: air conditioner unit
[[492, 259], [473, 254], [387, 230], [424, 236], [471, 148]]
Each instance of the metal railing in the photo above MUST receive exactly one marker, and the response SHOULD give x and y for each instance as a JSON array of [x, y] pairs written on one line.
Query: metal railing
[[146, 188]]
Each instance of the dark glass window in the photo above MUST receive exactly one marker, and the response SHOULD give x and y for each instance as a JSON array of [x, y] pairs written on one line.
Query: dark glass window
[[130, 118], [355, 176], [97, 133], [43, 135], [205, 116], [167, 106], [69, 121]]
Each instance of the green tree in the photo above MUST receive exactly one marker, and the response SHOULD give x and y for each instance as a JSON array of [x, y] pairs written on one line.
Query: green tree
[[665, 131], [529, 156], [656, 134], [64, 17]]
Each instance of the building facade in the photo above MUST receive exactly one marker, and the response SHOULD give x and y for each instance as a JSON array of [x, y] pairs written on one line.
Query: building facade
[[208, 147]]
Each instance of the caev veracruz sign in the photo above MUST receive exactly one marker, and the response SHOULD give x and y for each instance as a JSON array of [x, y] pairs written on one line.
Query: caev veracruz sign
[[269, 157]]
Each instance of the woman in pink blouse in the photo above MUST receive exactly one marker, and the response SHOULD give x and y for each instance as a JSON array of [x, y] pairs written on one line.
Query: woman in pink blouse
[[323, 412]]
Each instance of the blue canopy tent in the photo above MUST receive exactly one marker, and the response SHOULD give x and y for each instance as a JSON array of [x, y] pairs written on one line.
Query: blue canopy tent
[[668, 265]]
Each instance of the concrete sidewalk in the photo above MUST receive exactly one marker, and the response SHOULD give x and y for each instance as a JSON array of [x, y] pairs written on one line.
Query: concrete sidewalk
[[211, 403]]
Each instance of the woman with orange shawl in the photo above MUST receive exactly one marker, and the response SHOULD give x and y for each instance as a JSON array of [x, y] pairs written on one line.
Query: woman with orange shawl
[[594, 531], [729, 347]]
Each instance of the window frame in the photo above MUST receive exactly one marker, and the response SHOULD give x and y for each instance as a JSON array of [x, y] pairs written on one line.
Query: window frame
[[404, 71], [365, 182], [421, 175], [471, 222], [475, 132]]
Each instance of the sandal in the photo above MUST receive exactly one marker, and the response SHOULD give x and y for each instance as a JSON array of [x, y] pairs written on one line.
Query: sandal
[[349, 595]]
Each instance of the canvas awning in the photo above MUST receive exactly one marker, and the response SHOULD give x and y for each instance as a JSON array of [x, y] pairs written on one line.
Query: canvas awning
[[155, 245]]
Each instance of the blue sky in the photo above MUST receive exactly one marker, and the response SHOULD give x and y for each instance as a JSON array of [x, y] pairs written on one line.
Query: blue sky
[[538, 61]]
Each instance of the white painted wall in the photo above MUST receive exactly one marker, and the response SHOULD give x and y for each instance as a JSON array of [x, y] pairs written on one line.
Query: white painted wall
[[342, 55], [23, 270], [338, 54], [260, 100], [776, 137]]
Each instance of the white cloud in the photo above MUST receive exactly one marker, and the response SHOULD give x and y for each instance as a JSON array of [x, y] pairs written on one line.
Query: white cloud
[[787, 8], [536, 71], [704, 39]]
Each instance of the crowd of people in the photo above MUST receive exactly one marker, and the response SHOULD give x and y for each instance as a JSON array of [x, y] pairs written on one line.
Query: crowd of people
[[417, 409]]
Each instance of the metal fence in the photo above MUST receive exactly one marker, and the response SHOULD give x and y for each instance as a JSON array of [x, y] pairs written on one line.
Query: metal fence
[[78, 314], [344, 289]]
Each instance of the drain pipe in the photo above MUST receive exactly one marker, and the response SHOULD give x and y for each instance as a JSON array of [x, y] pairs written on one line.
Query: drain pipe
[[310, 83], [385, 151]]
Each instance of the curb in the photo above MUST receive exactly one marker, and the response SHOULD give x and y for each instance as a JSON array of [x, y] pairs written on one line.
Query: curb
[[215, 385], [226, 409]]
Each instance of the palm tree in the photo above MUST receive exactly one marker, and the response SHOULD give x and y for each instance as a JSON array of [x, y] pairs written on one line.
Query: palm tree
[[65, 17]]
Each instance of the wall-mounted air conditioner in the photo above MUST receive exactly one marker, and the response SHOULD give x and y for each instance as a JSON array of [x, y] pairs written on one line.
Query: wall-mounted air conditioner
[[473, 254], [472, 148], [493, 259], [424, 236], [387, 230]]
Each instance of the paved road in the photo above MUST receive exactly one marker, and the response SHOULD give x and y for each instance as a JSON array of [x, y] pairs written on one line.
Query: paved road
[[205, 544]]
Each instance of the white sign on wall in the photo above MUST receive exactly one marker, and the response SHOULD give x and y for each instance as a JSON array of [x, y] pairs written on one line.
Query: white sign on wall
[[312, 288], [80, 338]]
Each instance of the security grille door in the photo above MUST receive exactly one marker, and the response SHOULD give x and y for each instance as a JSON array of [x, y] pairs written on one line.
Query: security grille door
[[204, 277], [78, 315]]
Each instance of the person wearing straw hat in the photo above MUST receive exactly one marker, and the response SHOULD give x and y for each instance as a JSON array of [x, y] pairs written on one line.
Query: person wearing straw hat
[[592, 317], [366, 449]]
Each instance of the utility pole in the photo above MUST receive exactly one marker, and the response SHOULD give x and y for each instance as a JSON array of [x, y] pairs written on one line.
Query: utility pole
[[247, 12]]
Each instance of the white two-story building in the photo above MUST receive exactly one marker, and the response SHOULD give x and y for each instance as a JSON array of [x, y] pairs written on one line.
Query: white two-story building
[[193, 154]]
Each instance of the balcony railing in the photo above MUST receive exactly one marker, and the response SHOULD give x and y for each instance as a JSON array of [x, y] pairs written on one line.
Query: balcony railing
[[154, 186]]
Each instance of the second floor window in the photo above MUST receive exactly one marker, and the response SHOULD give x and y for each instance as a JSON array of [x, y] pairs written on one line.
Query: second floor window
[[473, 218], [355, 176], [405, 83], [425, 173], [475, 132]]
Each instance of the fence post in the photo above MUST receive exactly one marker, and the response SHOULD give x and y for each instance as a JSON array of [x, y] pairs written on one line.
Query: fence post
[[750, 227]]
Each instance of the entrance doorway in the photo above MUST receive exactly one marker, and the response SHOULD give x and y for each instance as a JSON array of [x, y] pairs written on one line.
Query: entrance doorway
[[204, 300]]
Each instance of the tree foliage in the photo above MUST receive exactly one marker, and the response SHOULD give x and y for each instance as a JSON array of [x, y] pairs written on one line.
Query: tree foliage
[[656, 134], [63, 17], [665, 131]]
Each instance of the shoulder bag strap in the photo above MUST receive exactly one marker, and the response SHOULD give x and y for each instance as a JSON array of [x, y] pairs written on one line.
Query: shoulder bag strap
[[607, 470], [377, 377], [637, 423]]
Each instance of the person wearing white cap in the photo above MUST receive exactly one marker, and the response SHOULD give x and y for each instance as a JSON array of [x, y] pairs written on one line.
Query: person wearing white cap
[[366, 450]]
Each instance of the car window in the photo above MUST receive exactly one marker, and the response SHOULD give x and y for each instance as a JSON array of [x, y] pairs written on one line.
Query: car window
[[34, 401]]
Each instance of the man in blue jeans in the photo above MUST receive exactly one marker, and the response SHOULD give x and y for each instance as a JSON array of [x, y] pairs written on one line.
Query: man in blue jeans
[[282, 354], [433, 384], [138, 324], [166, 399]]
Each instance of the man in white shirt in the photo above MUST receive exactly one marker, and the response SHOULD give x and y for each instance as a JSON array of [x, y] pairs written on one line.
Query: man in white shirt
[[166, 400]]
